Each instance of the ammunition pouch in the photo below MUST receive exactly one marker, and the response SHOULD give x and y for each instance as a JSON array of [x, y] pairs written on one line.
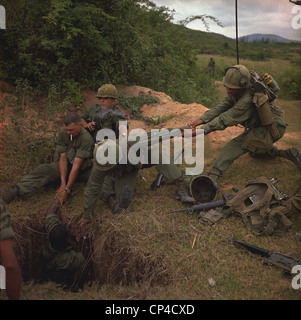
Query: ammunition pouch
[[265, 113]]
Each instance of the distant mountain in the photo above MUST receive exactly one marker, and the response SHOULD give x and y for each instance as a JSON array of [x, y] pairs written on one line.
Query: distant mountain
[[267, 38]]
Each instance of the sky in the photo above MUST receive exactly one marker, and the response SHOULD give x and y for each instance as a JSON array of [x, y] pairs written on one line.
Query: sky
[[279, 17]]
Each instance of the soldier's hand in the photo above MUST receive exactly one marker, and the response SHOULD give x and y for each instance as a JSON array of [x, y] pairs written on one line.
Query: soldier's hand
[[195, 123], [90, 126], [84, 230], [61, 189], [62, 196], [193, 133]]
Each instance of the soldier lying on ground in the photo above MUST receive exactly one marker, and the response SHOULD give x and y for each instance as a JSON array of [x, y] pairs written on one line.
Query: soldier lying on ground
[[7, 255], [239, 108], [73, 155]]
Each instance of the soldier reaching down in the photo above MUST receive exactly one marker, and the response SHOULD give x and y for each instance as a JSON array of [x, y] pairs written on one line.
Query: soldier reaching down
[[241, 107]]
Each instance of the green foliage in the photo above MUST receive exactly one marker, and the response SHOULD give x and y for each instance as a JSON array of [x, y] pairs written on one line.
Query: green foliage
[[23, 91], [290, 83], [134, 104], [70, 43]]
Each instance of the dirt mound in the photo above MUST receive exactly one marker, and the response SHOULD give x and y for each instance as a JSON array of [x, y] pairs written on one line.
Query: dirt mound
[[176, 113]]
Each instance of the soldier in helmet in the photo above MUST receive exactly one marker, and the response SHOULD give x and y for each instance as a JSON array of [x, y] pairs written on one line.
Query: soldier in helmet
[[73, 161], [104, 115], [238, 108]]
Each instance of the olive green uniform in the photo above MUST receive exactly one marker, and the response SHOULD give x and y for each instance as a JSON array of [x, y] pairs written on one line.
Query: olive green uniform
[[60, 266], [104, 119], [80, 147], [123, 175], [6, 231], [256, 139]]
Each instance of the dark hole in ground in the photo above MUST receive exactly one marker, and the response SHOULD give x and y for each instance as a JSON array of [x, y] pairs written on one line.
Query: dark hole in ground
[[111, 262]]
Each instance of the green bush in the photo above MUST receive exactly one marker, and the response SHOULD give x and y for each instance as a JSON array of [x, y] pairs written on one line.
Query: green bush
[[70, 43], [290, 82]]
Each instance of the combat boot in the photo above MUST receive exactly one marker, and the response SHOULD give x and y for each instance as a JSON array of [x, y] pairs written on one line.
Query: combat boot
[[183, 193], [121, 203], [291, 154], [10, 194]]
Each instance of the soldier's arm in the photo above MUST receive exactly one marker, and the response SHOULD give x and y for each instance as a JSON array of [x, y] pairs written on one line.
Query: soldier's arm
[[195, 123], [12, 269], [87, 119], [7, 254], [78, 162], [238, 114], [63, 194], [63, 168], [209, 115], [88, 125]]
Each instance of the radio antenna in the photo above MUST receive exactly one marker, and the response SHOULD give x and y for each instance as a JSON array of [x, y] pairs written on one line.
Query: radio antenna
[[236, 21]]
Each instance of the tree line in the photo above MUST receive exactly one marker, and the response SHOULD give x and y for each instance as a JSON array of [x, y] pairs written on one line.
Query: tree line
[[58, 42]]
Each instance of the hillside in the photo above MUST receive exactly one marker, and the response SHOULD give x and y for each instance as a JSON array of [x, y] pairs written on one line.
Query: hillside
[[214, 43], [266, 38]]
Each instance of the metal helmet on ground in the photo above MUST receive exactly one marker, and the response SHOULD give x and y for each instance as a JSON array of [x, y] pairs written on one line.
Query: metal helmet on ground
[[106, 155], [202, 188], [107, 91], [237, 77]]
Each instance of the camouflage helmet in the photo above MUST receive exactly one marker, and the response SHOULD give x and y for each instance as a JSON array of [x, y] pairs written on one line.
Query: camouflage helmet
[[237, 77], [107, 91], [106, 155]]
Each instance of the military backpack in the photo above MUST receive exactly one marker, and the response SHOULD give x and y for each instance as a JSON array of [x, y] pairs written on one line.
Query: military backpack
[[263, 207]]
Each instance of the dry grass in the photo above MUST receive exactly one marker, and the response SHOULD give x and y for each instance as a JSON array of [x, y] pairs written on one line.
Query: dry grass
[[148, 252]]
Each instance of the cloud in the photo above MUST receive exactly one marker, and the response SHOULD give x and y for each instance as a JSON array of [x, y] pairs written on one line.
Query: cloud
[[254, 16]]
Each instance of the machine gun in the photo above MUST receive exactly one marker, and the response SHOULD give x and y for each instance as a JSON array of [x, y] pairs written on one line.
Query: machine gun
[[280, 260], [202, 206]]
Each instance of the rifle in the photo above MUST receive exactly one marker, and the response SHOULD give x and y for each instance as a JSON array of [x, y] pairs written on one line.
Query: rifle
[[203, 206], [272, 258]]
